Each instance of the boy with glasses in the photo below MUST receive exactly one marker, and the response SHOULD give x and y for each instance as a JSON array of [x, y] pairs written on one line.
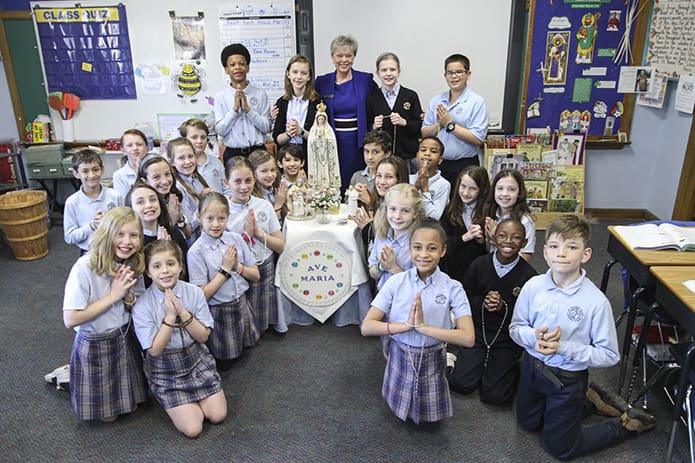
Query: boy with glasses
[[458, 117]]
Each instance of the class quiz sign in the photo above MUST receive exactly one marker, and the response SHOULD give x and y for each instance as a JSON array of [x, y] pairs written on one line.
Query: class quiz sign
[[65, 15]]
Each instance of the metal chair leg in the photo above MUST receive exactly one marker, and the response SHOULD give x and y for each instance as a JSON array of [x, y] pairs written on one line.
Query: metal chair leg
[[627, 341], [606, 275], [675, 417]]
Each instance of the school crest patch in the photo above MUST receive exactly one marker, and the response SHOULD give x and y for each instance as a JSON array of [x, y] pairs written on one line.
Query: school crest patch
[[262, 216], [440, 299], [575, 313], [516, 291], [254, 102], [406, 105]]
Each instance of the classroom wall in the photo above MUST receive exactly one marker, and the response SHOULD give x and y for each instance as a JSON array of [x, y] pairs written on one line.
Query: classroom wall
[[8, 127], [645, 174]]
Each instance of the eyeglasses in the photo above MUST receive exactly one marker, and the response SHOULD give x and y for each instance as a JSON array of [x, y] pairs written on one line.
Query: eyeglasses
[[457, 73]]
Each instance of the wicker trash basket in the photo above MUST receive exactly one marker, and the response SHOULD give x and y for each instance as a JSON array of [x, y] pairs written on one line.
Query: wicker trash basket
[[24, 223]]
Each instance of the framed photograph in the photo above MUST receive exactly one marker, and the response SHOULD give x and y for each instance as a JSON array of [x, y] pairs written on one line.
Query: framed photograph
[[570, 147]]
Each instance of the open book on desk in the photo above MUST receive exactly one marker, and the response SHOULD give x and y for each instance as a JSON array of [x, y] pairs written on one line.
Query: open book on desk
[[657, 237]]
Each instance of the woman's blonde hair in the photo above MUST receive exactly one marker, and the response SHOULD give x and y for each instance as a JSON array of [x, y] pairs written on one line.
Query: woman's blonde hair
[[402, 191], [101, 244]]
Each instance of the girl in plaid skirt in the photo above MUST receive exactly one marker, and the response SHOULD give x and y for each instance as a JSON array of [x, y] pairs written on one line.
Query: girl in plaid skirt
[[221, 263], [417, 304], [106, 377], [255, 220], [172, 321]]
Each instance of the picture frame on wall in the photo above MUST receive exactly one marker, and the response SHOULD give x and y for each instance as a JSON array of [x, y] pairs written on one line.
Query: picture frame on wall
[[570, 147]]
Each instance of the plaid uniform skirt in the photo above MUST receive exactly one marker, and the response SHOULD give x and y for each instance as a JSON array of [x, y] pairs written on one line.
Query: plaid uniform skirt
[[182, 376], [261, 295], [234, 329], [422, 396], [106, 377]]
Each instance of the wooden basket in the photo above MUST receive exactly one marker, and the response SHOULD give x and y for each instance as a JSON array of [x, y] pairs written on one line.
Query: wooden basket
[[23, 221]]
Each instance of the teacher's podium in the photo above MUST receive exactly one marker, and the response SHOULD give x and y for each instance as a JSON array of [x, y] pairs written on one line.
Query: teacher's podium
[[322, 274]]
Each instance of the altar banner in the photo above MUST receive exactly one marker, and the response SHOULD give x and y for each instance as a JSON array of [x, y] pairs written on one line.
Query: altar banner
[[316, 275]]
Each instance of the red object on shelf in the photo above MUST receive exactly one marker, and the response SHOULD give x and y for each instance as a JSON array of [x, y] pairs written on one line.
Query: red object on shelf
[[8, 174]]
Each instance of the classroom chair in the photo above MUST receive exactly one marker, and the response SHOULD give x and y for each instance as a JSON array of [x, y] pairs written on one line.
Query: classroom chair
[[655, 351], [681, 396]]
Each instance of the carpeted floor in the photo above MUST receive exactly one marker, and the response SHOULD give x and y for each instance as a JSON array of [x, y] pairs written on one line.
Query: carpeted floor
[[310, 396]]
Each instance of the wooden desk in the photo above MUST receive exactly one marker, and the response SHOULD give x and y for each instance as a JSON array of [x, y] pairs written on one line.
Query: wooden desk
[[638, 263], [674, 296], [679, 301]]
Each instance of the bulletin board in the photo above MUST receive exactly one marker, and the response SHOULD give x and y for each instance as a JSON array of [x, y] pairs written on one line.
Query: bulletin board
[[671, 44], [174, 47], [571, 78]]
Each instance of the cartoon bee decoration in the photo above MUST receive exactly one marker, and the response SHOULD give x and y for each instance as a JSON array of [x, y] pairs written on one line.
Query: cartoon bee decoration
[[188, 83]]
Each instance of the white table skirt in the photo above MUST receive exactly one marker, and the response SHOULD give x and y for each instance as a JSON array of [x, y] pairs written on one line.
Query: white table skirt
[[322, 273]]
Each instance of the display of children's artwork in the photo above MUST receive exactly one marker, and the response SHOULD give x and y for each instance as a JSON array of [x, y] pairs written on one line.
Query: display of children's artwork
[[153, 78], [556, 59], [586, 38], [188, 82], [571, 65], [570, 147]]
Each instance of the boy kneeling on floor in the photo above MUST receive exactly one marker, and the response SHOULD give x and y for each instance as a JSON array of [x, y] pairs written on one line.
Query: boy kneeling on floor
[[565, 324]]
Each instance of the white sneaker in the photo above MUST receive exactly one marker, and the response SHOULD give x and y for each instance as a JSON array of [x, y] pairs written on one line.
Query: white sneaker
[[60, 377], [450, 360]]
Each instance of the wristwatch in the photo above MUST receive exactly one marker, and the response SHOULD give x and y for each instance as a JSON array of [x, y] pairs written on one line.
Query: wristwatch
[[225, 273], [450, 126]]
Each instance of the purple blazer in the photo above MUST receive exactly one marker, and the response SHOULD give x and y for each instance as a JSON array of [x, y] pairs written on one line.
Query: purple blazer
[[364, 85]]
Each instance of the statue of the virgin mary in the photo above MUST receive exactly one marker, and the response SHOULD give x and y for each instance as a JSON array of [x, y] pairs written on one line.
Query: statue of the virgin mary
[[322, 153]]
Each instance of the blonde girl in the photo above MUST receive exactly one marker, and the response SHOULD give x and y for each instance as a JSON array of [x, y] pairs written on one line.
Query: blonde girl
[[400, 211], [507, 198], [464, 221], [268, 185], [255, 220], [173, 322], [134, 145], [209, 165], [222, 264], [106, 378]]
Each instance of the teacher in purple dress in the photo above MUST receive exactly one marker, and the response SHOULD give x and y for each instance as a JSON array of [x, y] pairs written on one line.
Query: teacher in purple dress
[[345, 92]]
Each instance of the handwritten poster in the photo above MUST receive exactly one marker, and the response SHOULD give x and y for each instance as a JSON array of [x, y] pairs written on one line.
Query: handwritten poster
[[268, 31], [671, 45]]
